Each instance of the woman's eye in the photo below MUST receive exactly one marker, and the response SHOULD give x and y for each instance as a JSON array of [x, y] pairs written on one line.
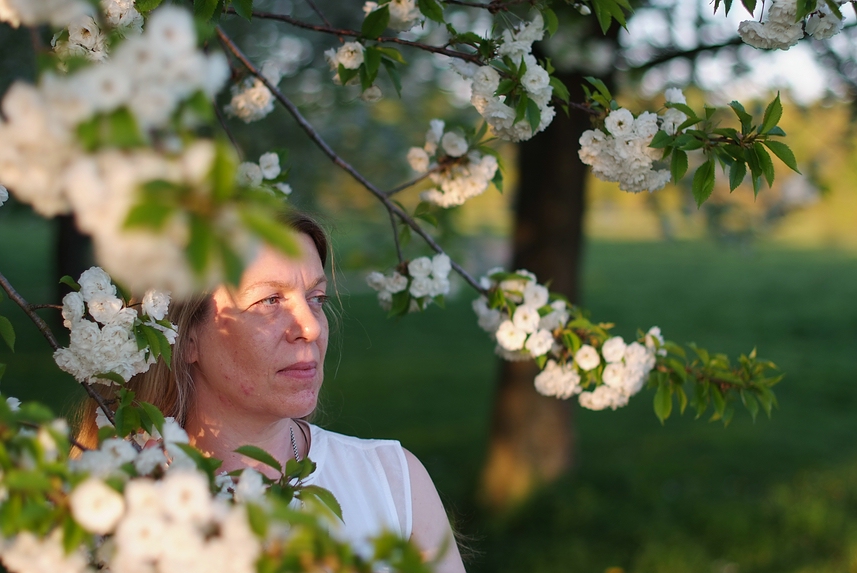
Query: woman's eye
[[319, 299], [270, 301]]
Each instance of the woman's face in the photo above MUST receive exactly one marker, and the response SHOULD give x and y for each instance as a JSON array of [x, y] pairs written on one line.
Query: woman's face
[[260, 352]]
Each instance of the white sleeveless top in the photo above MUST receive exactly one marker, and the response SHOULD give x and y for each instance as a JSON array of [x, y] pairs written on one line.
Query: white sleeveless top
[[370, 480]]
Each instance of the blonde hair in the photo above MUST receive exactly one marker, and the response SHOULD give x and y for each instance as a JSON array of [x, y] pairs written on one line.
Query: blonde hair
[[171, 389]]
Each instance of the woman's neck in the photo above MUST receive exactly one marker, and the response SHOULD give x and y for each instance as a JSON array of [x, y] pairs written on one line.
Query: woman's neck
[[219, 434]]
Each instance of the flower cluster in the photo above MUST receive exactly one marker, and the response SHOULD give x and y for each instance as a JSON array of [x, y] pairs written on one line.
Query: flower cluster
[[57, 13], [251, 98], [168, 525], [780, 31], [458, 172], [528, 331], [621, 152], [84, 38], [519, 314], [423, 279], [111, 347], [516, 47], [404, 14], [44, 162], [267, 172], [349, 56]]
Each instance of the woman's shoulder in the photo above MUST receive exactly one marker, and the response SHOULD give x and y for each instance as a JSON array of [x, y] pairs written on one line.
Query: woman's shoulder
[[325, 440]]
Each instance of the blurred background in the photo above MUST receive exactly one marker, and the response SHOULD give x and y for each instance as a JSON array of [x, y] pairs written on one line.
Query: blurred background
[[534, 484]]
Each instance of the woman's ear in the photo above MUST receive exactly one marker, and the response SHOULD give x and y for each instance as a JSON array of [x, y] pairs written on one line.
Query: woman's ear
[[191, 353]]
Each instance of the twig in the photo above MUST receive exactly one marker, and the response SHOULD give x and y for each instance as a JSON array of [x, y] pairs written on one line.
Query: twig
[[317, 11], [73, 442], [223, 124], [41, 306], [410, 183], [396, 237], [355, 34], [337, 160], [52, 341]]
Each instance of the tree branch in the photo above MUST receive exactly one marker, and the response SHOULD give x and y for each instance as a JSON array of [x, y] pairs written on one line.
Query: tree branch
[[318, 12], [337, 160], [396, 237], [49, 335], [410, 183], [355, 34], [223, 124]]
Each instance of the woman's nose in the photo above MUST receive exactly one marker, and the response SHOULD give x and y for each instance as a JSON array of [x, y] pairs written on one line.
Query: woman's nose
[[306, 324]]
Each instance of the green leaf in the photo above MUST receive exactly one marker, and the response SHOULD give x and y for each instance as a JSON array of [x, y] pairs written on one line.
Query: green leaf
[[123, 131], [372, 62], [737, 171], [204, 9], [154, 415], [785, 154], [600, 86], [260, 455], [244, 8], [111, 376], [70, 283], [703, 182], [719, 402], [164, 346], [149, 215], [271, 231], [144, 6], [200, 243], [223, 173], [375, 22], [394, 75], [804, 9], [153, 340], [258, 519], [431, 10], [661, 140], [324, 496], [746, 118], [391, 53], [559, 89], [678, 164], [772, 116], [497, 180], [7, 331], [663, 401], [428, 218], [401, 304], [765, 162], [551, 21], [534, 115], [682, 398], [751, 404]]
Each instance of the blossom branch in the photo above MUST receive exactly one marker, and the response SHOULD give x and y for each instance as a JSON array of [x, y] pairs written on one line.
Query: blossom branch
[[411, 183], [342, 32], [318, 12], [337, 160], [229, 134], [493, 7], [396, 237], [43, 327]]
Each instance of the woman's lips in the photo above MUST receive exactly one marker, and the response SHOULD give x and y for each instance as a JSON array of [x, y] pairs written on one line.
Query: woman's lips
[[301, 370]]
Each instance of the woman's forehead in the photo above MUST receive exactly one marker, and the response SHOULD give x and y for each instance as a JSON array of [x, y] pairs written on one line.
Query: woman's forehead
[[272, 266]]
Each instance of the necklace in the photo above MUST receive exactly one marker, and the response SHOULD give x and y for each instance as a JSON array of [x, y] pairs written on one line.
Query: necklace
[[294, 443]]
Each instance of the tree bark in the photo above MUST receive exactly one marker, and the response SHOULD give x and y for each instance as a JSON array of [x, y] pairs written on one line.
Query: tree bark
[[532, 437]]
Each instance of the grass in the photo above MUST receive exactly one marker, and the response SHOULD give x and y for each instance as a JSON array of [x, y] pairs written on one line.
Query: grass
[[774, 496]]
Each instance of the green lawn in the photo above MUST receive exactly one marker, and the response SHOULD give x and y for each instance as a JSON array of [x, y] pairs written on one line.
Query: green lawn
[[775, 496]]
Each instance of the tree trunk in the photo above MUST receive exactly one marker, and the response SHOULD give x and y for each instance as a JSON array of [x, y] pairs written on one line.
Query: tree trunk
[[532, 436]]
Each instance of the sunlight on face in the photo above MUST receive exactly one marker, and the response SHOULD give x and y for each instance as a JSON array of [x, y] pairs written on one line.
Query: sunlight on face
[[260, 353]]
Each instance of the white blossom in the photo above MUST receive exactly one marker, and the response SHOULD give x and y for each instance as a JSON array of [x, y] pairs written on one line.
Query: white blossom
[[350, 55], [509, 336], [613, 349], [420, 267], [587, 358], [155, 304], [561, 381], [603, 397], [250, 487], [269, 163], [96, 506], [526, 318], [249, 174], [540, 342], [453, 144], [418, 159]]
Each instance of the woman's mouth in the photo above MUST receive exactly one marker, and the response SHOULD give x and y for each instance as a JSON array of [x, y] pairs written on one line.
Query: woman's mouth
[[301, 370]]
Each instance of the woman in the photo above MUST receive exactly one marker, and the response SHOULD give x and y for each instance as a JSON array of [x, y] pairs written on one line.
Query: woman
[[247, 368]]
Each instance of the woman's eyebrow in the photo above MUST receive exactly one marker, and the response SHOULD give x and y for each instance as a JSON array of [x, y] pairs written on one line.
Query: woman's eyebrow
[[284, 285]]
